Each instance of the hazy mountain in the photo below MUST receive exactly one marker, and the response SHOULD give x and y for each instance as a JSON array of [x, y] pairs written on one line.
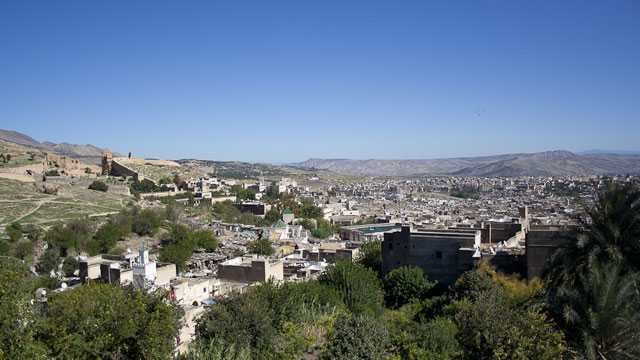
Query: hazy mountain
[[88, 152], [19, 138], [548, 163]]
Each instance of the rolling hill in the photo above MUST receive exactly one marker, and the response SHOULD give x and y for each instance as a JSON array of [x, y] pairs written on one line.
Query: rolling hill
[[88, 153], [548, 163]]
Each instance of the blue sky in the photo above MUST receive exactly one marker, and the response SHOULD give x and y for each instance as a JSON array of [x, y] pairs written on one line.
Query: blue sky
[[288, 80]]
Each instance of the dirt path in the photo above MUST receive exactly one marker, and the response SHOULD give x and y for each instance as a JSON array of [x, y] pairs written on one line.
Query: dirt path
[[38, 206]]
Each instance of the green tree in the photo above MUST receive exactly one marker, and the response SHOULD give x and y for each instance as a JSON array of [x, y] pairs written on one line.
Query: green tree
[[371, 255], [105, 321], [215, 349], [14, 231], [436, 339], [601, 312], [271, 321], [606, 253], [146, 222], [23, 249], [48, 261], [205, 239], [98, 185], [17, 317], [357, 337], [359, 287], [5, 247], [177, 246], [493, 328], [272, 216], [611, 235], [75, 235], [261, 247], [69, 266], [106, 237], [405, 285], [323, 229], [242, 193], [471, 284], [308, 210]]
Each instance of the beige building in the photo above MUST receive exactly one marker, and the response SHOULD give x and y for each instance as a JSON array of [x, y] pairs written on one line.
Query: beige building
[[251, 268]]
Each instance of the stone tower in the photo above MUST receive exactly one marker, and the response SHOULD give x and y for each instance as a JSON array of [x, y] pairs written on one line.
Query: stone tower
[[107, 158]]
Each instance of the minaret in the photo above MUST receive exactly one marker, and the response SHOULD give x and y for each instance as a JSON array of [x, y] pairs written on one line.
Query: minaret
[[144, 270]]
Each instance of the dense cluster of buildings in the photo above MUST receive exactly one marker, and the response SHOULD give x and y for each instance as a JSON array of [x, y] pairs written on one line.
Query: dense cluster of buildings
[[514, 223]]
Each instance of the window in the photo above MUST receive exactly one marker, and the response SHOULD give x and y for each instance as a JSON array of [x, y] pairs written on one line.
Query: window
[[204, 290], [390, 246], [438, 254]]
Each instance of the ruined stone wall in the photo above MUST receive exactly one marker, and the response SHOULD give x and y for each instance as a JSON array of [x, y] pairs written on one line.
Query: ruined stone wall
[[119, 170]]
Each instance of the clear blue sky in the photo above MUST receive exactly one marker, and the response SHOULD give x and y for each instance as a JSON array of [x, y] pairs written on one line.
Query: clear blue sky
[[288, 80]]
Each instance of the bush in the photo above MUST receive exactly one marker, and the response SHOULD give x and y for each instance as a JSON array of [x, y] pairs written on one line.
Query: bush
[[14, 231], [69, 266], [49, 261], [177, 246], [111, 321], [52, 173], [359, 287], [404, 285], [205, 239], [492, 328], [98, 185], [271, 321], [357, 337], [371, 255], [146, 222], [261, 247]]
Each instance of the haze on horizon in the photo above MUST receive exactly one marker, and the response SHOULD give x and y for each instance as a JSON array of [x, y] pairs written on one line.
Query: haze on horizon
[[285, 81]]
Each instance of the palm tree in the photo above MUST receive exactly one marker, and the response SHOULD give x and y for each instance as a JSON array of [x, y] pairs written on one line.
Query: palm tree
[[611, 233], [592, 283], [602, 313]]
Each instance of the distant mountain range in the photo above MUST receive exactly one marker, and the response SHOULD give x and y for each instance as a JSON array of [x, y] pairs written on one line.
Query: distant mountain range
[[88, 152], [548, 163]]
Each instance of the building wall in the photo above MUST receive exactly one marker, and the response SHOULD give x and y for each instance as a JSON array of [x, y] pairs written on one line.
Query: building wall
[[541, 244], [257, 271], [440, 255], [120, 170], [165, 273]]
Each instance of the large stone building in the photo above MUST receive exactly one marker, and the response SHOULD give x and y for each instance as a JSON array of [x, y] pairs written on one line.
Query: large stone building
[[442, 254], [542, 242]]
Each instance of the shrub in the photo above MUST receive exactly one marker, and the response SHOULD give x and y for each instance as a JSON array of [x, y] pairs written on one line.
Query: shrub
[[98, 185], [357, 337], [404, 285]]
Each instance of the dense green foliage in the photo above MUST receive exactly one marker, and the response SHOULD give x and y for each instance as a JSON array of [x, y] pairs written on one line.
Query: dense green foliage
[[357, 337], [492, 328], [371, 255], [177, 246], [227, 212], [17, 335], [405, 285], [593, 284], [465, 192], [104, 321], [272, 321], [261, 247], [98, 185], [242, 193], [359, 287]]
